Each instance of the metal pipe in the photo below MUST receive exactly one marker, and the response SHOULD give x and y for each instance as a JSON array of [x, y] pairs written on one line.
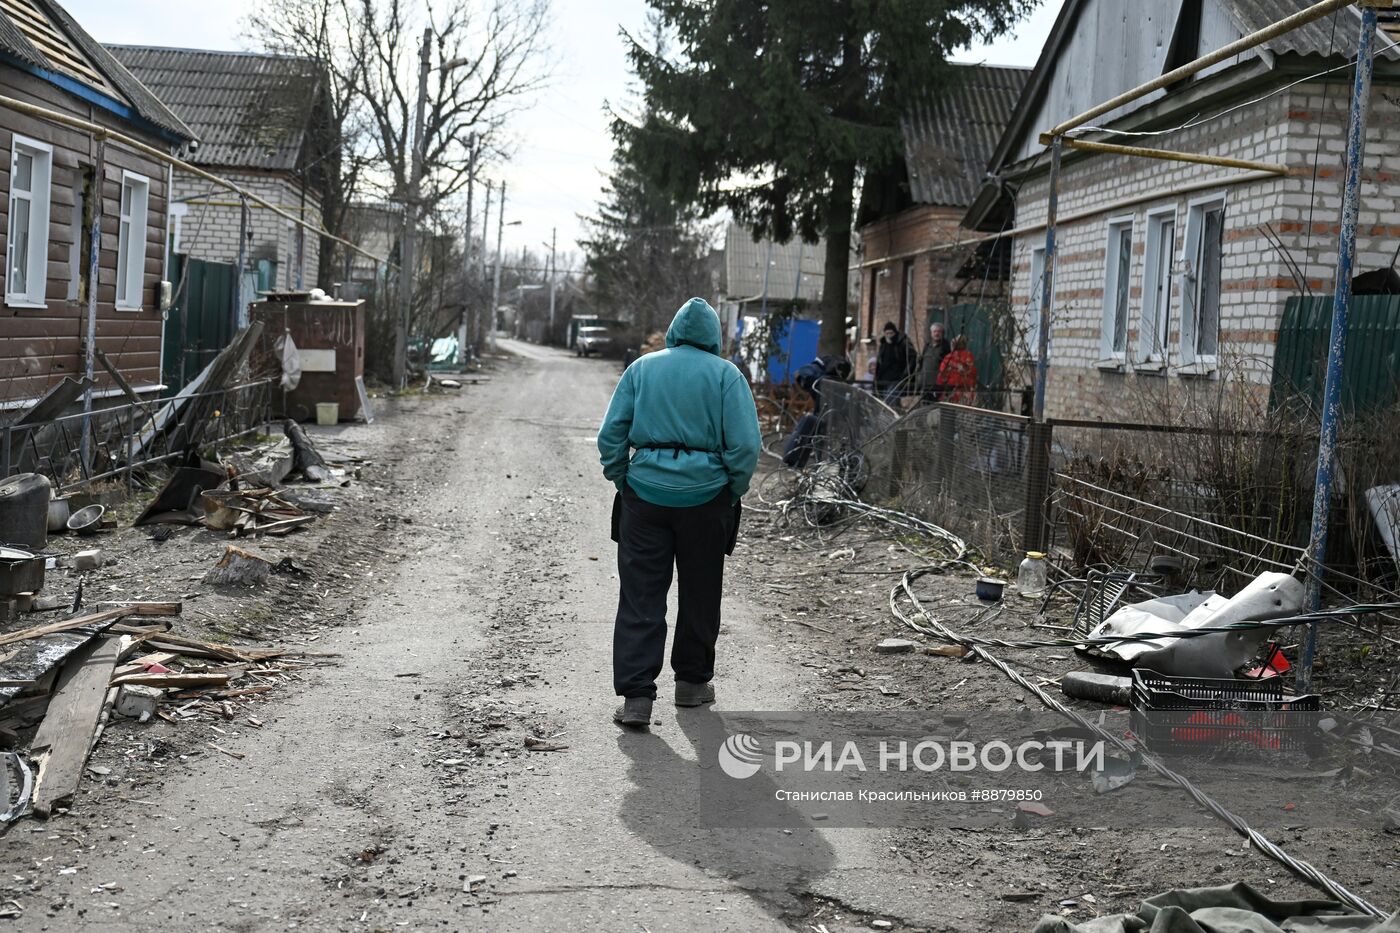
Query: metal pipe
[[1077, 216], [99, 173], [99, 131], [1287, 24], [1047, 286], [240, 304], [1337, 345], [1170, 155]]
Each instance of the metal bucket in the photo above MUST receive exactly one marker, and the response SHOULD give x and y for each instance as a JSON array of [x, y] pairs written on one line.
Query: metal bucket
[[24, 510]]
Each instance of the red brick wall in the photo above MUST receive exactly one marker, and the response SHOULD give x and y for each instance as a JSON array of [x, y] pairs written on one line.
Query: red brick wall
[[888, 246]]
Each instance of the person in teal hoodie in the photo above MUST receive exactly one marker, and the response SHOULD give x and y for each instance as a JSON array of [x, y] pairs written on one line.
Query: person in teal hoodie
[[680, 441]]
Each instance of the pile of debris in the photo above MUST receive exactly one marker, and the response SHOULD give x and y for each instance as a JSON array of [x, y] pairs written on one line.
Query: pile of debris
[[73, 675], [61, 681]]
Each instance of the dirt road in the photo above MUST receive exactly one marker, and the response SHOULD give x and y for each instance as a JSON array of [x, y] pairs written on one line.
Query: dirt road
[[399, 789], [396, 791]]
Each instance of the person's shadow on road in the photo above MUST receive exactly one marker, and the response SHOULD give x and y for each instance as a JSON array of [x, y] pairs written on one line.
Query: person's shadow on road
[[690, 811]]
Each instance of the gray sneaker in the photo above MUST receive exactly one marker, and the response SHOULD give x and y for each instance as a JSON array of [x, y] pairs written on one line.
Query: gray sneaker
[[634, 712], [688, 694]]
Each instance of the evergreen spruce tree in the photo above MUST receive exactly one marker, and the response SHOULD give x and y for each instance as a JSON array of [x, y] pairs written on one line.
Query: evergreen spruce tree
[[775, 107]]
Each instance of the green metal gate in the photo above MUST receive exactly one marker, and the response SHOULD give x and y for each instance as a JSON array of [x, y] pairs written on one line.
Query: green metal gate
[[200, 322], [977, 323], [1372, 370]]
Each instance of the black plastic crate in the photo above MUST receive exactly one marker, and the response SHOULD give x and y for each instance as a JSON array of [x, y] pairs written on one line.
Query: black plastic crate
[[1213, 716]]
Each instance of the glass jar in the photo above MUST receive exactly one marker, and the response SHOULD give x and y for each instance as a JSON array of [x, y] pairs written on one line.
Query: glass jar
[[1031, 577]]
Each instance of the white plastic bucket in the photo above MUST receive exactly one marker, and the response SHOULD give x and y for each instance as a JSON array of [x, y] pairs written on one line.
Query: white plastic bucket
[[327, 413]]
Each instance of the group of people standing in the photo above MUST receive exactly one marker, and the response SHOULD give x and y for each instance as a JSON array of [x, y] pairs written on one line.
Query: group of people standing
[[943, 371]]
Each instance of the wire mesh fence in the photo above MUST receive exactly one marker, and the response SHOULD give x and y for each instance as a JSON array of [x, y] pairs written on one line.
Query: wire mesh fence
[[966, 469], [111, 442], [1227, 504]]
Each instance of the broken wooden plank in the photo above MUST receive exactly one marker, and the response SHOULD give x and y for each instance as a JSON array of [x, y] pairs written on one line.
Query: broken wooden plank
[[283, 526], [172, 680], [61, 746], [94, 618]]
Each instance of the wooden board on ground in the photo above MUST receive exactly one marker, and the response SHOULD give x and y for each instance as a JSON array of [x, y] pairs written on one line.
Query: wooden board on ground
[[60, 748]]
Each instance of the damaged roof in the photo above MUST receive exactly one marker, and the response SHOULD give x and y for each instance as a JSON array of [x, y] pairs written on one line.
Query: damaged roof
[[40, 37], [249, 110]]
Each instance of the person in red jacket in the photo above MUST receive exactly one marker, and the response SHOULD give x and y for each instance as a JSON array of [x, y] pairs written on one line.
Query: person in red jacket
[[957, 374]]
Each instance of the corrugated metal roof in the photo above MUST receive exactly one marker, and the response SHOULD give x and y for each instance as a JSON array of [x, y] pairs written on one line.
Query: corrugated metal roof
[[949, 139], [1315, 38], [249, 110], [78, 56], [744, 261]]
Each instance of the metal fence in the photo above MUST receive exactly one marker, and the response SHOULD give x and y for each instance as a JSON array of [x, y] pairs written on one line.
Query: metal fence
[[1228, 504], [977, 472], [108, 443]]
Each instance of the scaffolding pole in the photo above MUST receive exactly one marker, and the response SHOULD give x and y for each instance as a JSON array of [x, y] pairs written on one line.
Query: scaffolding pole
[[1337, 345]]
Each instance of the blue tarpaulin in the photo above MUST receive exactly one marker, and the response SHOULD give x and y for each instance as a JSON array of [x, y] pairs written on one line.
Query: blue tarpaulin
[[797, 346]]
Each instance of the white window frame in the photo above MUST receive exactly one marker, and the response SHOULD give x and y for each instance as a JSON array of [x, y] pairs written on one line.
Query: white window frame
[[177, 227], [1193, 361], [1110, 355], [1037, 282], [1155, 318], [38, 197], [132, 226]]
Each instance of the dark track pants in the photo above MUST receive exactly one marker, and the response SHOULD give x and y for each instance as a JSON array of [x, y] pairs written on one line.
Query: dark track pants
[[651, 539]]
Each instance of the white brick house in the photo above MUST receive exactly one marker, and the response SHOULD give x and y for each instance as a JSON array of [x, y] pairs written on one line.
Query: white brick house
[[1173, 277], [261, 124]]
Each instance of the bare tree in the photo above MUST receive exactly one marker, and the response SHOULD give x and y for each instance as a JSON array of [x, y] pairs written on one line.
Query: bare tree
[[486, 60], [486, 63], [337, 162]]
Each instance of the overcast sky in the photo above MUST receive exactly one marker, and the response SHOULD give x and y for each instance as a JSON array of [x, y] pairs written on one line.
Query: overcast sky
[[563, 146]]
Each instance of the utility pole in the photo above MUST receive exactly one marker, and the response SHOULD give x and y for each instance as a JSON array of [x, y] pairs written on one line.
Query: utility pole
[[553, 242], [408, 259], [496, 285], [1337, 343], [464, 325], [480, 329]]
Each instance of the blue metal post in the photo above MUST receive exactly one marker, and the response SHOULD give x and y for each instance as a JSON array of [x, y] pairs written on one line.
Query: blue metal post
[[1047, 287], [1336, 348]]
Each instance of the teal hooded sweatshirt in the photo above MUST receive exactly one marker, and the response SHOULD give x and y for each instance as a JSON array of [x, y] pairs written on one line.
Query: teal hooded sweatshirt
[[686, 394]]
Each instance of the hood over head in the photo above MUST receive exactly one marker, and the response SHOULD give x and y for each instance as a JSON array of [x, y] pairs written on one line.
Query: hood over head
[[697, 325]]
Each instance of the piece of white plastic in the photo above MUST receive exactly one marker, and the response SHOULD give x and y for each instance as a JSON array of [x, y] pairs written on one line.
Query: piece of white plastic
[[1270, 595], [291, 361]]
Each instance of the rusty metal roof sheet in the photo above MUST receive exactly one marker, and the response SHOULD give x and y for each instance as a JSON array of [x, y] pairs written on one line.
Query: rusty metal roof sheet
[[249, 110], [949, 139]]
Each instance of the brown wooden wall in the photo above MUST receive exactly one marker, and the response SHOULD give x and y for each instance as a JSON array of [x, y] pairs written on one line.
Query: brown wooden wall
[[38, 347]]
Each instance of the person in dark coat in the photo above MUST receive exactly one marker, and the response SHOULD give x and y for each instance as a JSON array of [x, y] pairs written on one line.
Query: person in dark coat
[[894, 364], [930, 359], [809, 377]]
